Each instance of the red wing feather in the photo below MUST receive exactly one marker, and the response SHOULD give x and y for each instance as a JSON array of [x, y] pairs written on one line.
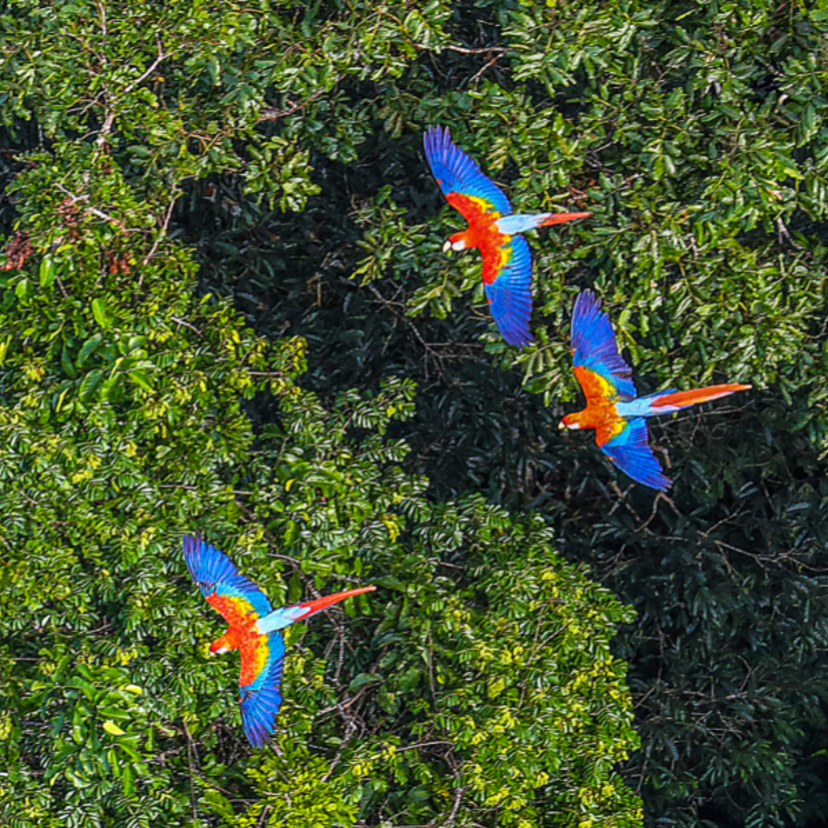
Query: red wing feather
[[237, 612], [472, 208], [596, 389]]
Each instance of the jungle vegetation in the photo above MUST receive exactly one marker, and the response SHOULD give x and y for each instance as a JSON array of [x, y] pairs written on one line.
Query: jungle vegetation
[[224, 307]]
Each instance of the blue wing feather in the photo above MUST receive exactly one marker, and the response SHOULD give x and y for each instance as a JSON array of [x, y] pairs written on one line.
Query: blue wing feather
[[456, 172], [630, 451], [510, 294], [260, 700], [213, 571], [594, 346]]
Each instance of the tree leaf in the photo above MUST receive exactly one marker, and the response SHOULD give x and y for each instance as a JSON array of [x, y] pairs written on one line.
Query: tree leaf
[[47, 271], [100, 314], [88, 348], [110, 727]]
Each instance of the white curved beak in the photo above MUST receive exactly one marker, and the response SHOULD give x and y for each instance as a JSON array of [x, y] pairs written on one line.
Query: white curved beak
[[447, 246]]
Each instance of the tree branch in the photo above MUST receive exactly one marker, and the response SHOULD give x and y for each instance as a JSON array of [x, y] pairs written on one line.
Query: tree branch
[[109, 120]]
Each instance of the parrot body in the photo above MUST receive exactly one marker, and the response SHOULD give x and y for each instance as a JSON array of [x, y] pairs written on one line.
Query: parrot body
[[507, 262], [613, 408], [253, 629]]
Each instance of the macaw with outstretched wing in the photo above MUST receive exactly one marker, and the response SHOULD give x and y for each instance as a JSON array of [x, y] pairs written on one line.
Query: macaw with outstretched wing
[[493, 228], [253, 629], [613, 408]]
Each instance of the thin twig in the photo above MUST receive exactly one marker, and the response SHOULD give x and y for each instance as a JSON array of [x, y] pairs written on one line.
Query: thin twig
[[186, 324], [102, 12], [423, 745], [455, 806], [106, 128], [161, 235], [94, 211], [484, 50], [153, 66], [265, 812], [479, 72], [339, 707], [429, 350], [191, 751], [350, 730], [463, 51], [271, 114]]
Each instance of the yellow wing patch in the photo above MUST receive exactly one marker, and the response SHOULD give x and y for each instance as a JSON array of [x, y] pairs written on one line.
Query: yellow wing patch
[[237, 612], [597, 389], [609, 430], [255, 651], [472, 207]]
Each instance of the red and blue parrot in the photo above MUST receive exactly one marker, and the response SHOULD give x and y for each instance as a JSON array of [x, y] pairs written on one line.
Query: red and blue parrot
[[253, 629], [613, 408], [493, 228]]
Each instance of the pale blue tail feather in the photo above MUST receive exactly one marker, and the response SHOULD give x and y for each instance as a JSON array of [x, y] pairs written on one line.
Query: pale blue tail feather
[[520, 222]]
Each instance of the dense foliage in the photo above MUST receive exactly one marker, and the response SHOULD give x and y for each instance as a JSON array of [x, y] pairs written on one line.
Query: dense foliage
[[277, 146], [477, 687]]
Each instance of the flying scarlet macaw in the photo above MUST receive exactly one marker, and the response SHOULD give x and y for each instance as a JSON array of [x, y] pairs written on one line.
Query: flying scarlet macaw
[[613, 409], [253, 629], [507, 263]]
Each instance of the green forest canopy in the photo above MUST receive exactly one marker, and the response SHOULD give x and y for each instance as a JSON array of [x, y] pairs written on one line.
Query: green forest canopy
[[225, 308]]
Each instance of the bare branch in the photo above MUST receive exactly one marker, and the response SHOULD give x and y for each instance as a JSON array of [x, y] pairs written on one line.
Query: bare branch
[[479, 72], [186, 324], [485, 50], [109, 120], [94, 211], [164, 225], [271, 114], [192, 762], [455, 806], [153, 66], [102, 13]]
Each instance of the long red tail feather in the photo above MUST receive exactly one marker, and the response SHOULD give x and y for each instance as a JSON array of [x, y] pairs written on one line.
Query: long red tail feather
[[699, 395], [560, 218], [326, 601]]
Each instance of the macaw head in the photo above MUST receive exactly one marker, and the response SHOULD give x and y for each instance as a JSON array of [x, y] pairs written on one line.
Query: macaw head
[[455, 242], [570, 421]]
